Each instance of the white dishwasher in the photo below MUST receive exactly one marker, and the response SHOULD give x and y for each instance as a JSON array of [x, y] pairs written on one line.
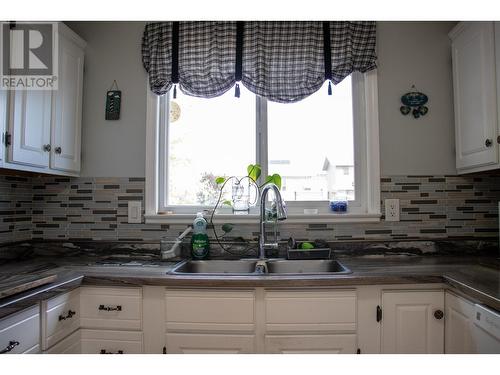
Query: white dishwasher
[[486, 330]]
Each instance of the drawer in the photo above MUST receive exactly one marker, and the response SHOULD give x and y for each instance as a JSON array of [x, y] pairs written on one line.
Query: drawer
[[311, 344], [111, 308], [311, 310], [186, 343], [111, 342], [21, 331], [68, 345], [206, 309], [60, 317]]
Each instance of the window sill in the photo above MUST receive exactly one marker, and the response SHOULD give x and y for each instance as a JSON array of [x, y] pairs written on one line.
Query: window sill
[[254, 219]]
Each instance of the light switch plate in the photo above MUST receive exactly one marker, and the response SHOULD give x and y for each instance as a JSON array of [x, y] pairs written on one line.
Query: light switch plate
[[392, 210], [134, 212]]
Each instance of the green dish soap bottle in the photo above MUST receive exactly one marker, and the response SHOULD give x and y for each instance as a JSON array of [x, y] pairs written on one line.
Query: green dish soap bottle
[[200, 245]]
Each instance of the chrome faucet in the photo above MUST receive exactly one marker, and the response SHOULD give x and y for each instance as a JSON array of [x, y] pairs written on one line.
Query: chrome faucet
[[280, 215]]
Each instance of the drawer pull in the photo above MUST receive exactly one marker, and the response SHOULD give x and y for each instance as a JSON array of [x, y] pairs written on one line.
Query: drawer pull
[[103, 351], [110, 308], [68, 316], [12, 345]]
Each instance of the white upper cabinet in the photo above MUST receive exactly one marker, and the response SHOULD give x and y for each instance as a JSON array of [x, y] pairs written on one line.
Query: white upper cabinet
[[67, 115], [413, 322], [29, 127], [44, 127], [3, 121], [475, 96]]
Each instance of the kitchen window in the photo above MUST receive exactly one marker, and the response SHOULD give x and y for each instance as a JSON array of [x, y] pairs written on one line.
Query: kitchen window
[[324, 147]]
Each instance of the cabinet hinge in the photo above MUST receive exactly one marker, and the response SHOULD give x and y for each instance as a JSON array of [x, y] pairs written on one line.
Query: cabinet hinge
[[379, 313], [8, 138], [358, 351], [164, 350]]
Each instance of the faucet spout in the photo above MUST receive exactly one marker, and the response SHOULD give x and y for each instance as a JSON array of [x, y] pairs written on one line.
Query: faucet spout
[[280, 215]]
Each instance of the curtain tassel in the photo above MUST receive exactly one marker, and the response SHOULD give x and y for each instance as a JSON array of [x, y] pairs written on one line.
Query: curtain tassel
[[329, 87], [237, 90], [175, 92]]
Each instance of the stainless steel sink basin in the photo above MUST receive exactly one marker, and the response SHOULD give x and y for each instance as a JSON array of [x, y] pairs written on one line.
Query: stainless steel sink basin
[[216, 267], [306, 267], [247, 267]]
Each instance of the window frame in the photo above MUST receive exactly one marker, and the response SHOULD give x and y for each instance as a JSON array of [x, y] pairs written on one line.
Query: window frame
[[365, 207]]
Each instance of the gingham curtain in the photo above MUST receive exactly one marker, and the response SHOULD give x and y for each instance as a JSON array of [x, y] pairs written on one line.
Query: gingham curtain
[[283, 61]]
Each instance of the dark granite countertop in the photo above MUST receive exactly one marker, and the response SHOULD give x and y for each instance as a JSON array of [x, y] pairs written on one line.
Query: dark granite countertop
[[476, 277]]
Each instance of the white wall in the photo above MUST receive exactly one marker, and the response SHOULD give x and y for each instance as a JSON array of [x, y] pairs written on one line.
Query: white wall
[[415, 53], [113, 148], [409, 53]]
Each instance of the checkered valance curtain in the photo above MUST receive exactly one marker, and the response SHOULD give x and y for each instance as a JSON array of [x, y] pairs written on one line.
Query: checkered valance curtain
[[283, 61]]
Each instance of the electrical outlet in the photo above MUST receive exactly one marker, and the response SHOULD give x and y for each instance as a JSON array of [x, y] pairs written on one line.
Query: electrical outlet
[[392, 210], [134, 212]]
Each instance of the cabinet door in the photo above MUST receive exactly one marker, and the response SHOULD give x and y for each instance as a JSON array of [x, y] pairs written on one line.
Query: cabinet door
[[311, 344], [110, 342], [20, 333], [187, 343], [409, 325], [3, 123], [60, 317], [473, 56], [70, 345], [29, 126], [458, 325], [66, 127]]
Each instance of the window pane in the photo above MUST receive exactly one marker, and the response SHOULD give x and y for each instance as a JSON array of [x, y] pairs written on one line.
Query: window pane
[[311, 145], [212, 137]]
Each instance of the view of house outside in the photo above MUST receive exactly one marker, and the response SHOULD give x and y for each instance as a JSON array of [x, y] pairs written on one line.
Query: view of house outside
[[222, 129]]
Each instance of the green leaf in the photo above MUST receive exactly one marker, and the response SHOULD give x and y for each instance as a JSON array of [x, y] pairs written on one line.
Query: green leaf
[[220, 180], [276, 180], [227, 203], [254, 171], [226, 228]]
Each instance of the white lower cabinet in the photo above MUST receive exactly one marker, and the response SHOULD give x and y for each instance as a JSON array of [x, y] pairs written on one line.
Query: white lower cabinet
[[69, 345], [111, 308], [60, 317], [94, 320], [227, 343], [210, 321], [111, 342], [311, 344], [310, 321], [458, 325], [412, 322], [20, 332], [153, 319]]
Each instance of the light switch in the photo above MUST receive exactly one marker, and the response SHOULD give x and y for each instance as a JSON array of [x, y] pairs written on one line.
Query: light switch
[[134, 212]]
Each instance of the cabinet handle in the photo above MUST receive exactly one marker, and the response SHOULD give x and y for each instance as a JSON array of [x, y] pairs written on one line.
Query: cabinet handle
[[103, 351], [68, 316], [438, 314], [488, 143], [58, 150], [47, 148], [110, 308], [379, 314], [498, 139], [12, 345]]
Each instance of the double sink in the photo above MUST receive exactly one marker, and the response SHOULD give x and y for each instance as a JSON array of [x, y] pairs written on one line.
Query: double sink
[[253, 267]]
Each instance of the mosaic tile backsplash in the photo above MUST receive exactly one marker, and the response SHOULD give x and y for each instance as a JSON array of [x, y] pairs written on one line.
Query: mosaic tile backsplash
[[432, 207], [16, 200]]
